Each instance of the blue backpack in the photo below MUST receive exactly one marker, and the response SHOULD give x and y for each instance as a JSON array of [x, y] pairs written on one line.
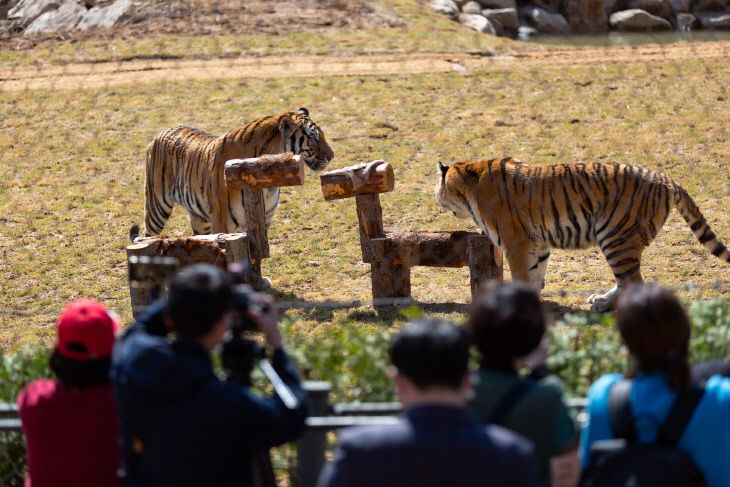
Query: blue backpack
[[624, 462]]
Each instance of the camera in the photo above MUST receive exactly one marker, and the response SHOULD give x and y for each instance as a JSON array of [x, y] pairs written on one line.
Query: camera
[[243, 300]]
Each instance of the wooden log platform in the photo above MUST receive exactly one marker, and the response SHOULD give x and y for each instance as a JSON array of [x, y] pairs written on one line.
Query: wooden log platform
[[267, 171]]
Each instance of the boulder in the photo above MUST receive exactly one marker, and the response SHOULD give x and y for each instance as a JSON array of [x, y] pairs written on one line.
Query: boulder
[[637, 20], [498, 3], [681, 6], [544, 21], [506, 18], [105, 16], [525, 32], [585, 16], [478, 22], [63, 19], [26, 11], [471, 8], [609, 6], [686, 22], [714, 20], [552, 6], [446, 7], [662, 8]]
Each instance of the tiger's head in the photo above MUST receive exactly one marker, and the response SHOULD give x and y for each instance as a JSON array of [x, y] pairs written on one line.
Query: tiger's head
[[449, 193], [304, 137]]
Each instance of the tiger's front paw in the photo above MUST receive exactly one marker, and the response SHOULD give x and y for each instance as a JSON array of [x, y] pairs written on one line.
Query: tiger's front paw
[[601, 303]]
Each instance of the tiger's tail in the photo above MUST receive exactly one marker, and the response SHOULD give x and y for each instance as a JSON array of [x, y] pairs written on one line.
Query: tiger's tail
[[697, 223]]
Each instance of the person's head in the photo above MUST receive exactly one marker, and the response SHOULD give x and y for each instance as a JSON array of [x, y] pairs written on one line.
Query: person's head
[[85, 333], [431, 355], [655, 329], [506, 321], [198, 298]]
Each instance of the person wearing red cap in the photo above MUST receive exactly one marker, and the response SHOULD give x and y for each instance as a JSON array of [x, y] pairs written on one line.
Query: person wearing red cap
[[70, 422]]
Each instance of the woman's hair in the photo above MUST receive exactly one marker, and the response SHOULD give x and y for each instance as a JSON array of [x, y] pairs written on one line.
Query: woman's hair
[[80, 374], [655, 328], [506, 321]]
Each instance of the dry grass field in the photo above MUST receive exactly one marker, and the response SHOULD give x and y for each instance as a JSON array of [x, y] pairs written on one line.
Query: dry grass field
[[72, 160]]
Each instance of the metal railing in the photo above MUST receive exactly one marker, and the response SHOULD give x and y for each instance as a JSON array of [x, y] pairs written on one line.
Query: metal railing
[[312, 445]]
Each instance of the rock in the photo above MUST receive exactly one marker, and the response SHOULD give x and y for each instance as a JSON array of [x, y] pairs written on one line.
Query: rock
[[710, 5], [478, 22], [609, 6], [525, 32], [637, 20], [585, 16], [681, 6], [471, 8], [662, 8], [714, 20], [446, 7], [498, 3], [26, 11], [64, 18], [552, 6], [105, 16], [544, 21], [505, 17], [686, 22]]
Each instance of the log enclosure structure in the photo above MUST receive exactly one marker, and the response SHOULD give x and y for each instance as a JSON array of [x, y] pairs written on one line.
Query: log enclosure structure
[[249, 176], [392, 254]]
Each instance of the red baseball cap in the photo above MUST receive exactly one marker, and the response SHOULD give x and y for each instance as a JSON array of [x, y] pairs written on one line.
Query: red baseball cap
[[85, 330]]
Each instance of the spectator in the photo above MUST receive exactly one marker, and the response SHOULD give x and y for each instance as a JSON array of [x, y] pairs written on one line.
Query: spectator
[[507, 324], [181, 425], [656, 331], [438, 442], [70, 422], [703, 371]]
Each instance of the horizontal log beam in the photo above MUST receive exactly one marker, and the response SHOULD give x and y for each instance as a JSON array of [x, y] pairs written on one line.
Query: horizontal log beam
[[430, 249], [367, 178], [268, 171]]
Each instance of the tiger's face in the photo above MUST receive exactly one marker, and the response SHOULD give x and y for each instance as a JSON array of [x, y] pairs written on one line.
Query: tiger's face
[[309, 142], [447, 195]]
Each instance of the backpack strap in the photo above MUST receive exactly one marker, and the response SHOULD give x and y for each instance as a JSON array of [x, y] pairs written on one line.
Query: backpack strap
[[619, 411], [679, 415], [509, 400]]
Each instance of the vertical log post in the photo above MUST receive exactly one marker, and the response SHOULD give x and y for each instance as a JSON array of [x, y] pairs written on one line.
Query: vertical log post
[[391, 278], [253, 205], [485, 262], [370, 219]]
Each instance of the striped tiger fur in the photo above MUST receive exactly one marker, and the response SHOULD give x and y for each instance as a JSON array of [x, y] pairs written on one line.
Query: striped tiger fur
[[528, 210], [185, 166]]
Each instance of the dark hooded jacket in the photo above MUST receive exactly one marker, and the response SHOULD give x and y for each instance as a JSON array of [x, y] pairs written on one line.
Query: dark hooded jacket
[[181, 425]]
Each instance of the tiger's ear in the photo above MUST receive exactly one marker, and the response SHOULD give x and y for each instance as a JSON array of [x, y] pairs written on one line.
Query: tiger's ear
[[442, 168], [287, 126], [303, 111]]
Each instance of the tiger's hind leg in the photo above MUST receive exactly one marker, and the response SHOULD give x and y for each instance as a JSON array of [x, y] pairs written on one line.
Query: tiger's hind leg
[[199, 226], [625, 263]]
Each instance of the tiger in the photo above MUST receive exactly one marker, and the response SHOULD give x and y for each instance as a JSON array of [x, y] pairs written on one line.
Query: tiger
[[528, 210], [185, 166]]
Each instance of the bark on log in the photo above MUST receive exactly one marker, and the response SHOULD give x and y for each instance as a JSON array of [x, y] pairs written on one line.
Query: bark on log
[[253, 205], [485, 262], [370, 219], [371, 178], [390, 279], [268, 171], [431, 249]]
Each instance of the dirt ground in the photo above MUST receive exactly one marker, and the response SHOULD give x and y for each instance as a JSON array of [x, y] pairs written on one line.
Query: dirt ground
[[220, 17], [147, 71]]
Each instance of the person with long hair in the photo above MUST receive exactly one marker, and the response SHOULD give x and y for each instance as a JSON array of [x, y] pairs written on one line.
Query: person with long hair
[[70, 422], [656, 331]]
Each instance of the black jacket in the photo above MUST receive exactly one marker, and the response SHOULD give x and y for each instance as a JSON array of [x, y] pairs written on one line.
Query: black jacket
[[181, 425]]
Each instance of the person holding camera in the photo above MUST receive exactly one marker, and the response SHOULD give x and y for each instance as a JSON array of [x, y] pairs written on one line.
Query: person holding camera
[[181, 425]]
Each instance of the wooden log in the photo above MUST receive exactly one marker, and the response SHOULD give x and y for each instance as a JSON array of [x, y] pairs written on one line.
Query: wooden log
[[217, 249], [485, 262], [370, 219], [390, 278], [268, 171], [253, 205], [431, 249], [367, 178]]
